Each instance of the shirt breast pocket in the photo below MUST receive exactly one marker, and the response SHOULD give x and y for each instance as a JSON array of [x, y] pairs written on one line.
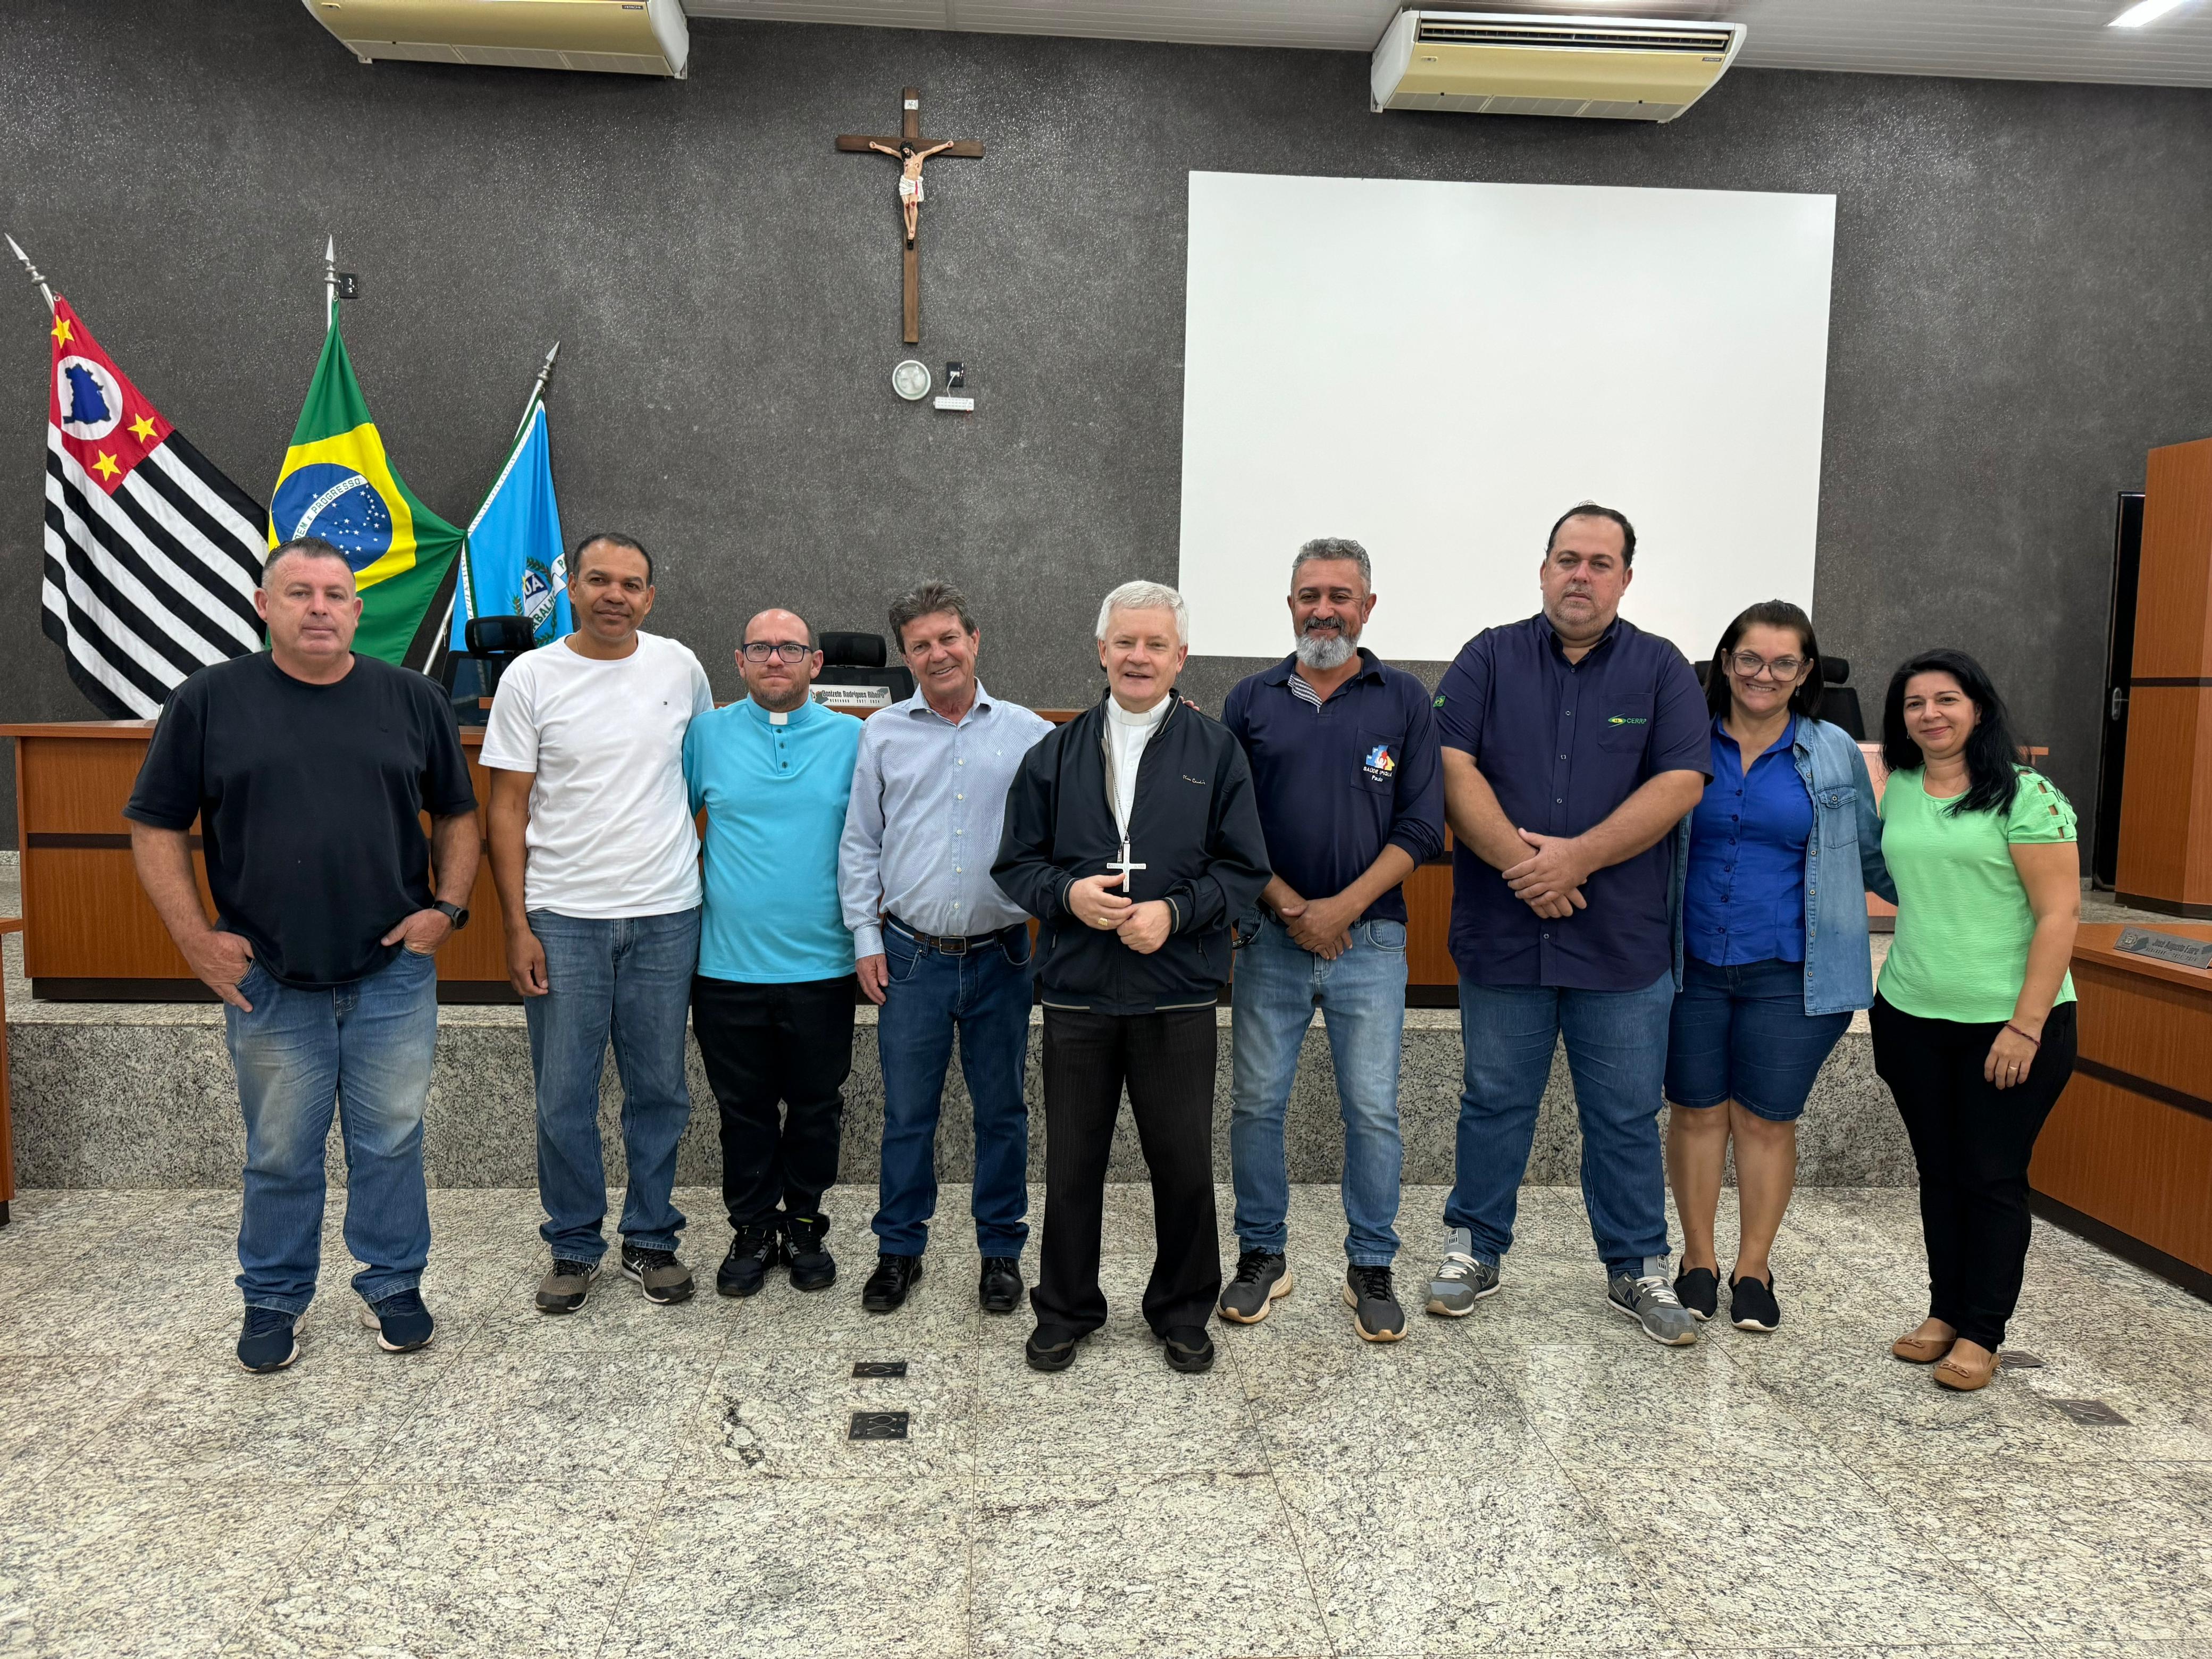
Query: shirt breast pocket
[[1624, 723], [1374, 768]]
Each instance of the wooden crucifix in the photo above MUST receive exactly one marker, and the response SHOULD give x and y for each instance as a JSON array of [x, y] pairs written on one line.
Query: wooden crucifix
[[910, 149]]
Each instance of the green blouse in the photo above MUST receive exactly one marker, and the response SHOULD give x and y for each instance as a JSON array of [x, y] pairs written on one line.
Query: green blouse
[[1963, 919]]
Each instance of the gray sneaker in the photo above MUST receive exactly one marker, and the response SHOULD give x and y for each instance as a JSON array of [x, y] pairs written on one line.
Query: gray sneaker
[[1263, 1279], [1650, 1300], [1460, 1281], [565, 1287]]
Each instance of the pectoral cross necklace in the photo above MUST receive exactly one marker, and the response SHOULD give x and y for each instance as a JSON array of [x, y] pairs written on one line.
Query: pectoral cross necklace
[[1123, 864]]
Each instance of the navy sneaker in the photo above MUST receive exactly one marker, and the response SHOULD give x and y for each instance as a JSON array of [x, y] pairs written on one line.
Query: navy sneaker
[[401, 1322], [265, 1344], [812, 1267]]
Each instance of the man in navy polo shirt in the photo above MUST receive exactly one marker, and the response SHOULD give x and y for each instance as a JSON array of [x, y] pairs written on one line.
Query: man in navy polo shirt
[[1344, 766], [1574, 742]]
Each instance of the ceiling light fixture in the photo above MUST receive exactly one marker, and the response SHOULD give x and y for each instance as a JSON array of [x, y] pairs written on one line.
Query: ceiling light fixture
[[2142, 12]]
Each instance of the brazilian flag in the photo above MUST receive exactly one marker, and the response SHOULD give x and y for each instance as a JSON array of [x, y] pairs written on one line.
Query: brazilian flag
[[337, 483]]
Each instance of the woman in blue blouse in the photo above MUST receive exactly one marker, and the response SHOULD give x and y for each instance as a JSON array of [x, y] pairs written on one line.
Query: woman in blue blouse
[[1782, 848]]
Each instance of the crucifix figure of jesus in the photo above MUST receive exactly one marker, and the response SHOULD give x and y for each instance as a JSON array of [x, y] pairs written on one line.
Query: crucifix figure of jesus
[[909, 150]]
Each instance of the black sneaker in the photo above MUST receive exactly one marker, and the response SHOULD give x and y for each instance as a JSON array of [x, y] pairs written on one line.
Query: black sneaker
[[1751, 1304], [753, 1251], [812, 1268], [998, 1286], [893, 1281], [1188, 1348], [657, 1273], [1263, 1279], [1375, 1314], [401, 1322], [265, 1342], [1699, 1289], [1051, 1348]]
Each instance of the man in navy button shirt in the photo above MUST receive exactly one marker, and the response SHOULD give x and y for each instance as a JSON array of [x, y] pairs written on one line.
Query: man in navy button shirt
[[1574, 743], [1343, 765]]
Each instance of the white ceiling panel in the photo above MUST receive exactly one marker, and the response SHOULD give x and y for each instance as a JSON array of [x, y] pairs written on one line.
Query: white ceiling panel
[[2002, 40]]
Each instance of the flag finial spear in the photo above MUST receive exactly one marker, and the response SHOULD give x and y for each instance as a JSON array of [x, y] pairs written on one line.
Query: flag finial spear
[[538, 387], [47, 294], [330, 280]]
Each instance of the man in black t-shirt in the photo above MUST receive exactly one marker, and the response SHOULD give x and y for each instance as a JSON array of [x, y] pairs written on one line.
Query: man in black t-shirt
[[308, 768]]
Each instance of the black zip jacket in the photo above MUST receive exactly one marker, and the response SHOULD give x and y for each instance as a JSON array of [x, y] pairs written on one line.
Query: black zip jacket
[[1195, 828]]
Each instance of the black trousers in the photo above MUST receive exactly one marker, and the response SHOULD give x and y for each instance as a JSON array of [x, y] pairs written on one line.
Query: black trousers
[[766, 1044], [1167, 1062], [1972, 1142]]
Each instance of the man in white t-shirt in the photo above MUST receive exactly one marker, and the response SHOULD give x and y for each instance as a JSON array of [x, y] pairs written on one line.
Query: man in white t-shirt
[[597, 861]]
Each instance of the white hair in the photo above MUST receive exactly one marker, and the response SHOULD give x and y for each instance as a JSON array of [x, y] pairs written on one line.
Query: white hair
[[1145, 596]]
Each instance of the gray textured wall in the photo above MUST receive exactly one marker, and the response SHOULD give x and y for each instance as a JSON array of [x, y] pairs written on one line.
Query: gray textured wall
[[2022, 279]]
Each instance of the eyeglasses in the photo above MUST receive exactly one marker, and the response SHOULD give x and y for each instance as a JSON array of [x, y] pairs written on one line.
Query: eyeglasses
[[789, 650], [1751, 666]]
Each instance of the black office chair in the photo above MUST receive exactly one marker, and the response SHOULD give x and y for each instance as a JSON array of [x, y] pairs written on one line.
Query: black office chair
[[494, 642], [1839, 702], [860, 664]]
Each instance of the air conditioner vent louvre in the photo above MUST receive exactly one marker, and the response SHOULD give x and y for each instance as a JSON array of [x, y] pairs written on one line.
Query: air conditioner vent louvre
[[1572, 37]]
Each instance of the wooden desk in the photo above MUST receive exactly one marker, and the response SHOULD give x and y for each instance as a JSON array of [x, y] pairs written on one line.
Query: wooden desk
[[2130, 1144], [9, 925], [90, 934]]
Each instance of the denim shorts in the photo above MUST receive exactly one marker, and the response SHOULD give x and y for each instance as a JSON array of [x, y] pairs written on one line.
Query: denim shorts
[[1742, 1034]]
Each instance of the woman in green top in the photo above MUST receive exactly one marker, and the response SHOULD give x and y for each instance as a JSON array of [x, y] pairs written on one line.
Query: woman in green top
[[1973, 1024]]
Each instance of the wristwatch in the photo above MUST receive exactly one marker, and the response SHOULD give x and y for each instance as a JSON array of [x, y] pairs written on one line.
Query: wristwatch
[[456, 914]]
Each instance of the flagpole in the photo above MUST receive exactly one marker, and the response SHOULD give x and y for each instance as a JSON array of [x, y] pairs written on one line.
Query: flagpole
[[537, 388], [330, 282], [47, 294]]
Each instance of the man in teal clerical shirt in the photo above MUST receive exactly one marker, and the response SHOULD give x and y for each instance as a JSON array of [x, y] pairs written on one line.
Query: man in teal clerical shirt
[[772, 1003]]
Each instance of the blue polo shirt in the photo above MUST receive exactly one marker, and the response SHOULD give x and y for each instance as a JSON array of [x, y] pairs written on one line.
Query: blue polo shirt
[[1338, 780], [1562, 745], [774, 791], [1745, 898]]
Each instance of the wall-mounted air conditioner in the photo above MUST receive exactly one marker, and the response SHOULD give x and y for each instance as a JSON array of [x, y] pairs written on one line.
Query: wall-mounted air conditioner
[[619, 37], [1514, 63]]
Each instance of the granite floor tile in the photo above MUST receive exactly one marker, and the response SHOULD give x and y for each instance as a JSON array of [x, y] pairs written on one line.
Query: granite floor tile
[[457, 1571], [788, 1415], [1599, 1406], [1351, 1408], [1194, 1565], [52, 1406], [941, 1315], [1507, 1559], [1836, 1563], [2081, 1550], [615, 1318], [1117, 1411], [522, 1412], [100, 1569], [207, 1420], [799, 1569]]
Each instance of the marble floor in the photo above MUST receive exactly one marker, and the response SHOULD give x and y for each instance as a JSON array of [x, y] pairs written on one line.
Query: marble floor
[[634, 1480]]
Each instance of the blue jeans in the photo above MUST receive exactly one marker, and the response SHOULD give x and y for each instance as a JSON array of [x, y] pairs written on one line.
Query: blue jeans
[[1617, 1053], [362, 1050], [984, 996], [1361, 998], [627, 978]]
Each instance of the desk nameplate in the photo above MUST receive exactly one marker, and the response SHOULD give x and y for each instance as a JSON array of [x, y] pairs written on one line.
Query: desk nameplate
[[2182, 952]]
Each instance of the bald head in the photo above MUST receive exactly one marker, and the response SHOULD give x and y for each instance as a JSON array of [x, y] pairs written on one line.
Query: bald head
[[778, 661]]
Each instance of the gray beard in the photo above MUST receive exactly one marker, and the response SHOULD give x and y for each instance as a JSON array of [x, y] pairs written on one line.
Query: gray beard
[[1324, 652]]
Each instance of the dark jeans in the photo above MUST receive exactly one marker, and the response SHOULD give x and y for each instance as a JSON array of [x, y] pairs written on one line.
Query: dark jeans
[[983, 996], [1972, 1143], [1167, 1062], [627, 981], [766, 1044]]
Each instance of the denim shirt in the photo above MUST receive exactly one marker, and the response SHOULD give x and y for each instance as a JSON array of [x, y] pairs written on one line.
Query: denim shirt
[[1839, 967]]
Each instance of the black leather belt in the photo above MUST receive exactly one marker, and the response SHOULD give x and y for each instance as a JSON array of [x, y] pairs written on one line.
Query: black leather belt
[[951, 945]]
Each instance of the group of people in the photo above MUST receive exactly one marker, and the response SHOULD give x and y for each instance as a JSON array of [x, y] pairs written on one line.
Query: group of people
[[1670, 879]]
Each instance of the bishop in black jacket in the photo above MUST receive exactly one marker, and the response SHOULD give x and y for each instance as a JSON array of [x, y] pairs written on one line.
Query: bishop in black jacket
[[1132, 834]]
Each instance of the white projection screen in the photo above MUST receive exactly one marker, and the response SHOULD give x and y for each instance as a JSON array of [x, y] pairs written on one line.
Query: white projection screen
[[1439, 370]]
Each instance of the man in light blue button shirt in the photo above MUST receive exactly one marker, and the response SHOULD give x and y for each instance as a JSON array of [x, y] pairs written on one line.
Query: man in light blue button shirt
[[939, 946]]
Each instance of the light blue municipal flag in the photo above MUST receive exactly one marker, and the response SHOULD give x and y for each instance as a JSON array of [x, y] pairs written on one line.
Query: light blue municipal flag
[[514, 563]]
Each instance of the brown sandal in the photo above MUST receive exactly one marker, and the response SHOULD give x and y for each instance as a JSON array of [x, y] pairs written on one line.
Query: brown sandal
[[1964, 1376], [1922, 1350]]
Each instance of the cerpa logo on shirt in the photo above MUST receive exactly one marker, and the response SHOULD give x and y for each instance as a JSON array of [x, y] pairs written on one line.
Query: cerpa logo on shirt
[[1626, 719], [1380, 762]]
